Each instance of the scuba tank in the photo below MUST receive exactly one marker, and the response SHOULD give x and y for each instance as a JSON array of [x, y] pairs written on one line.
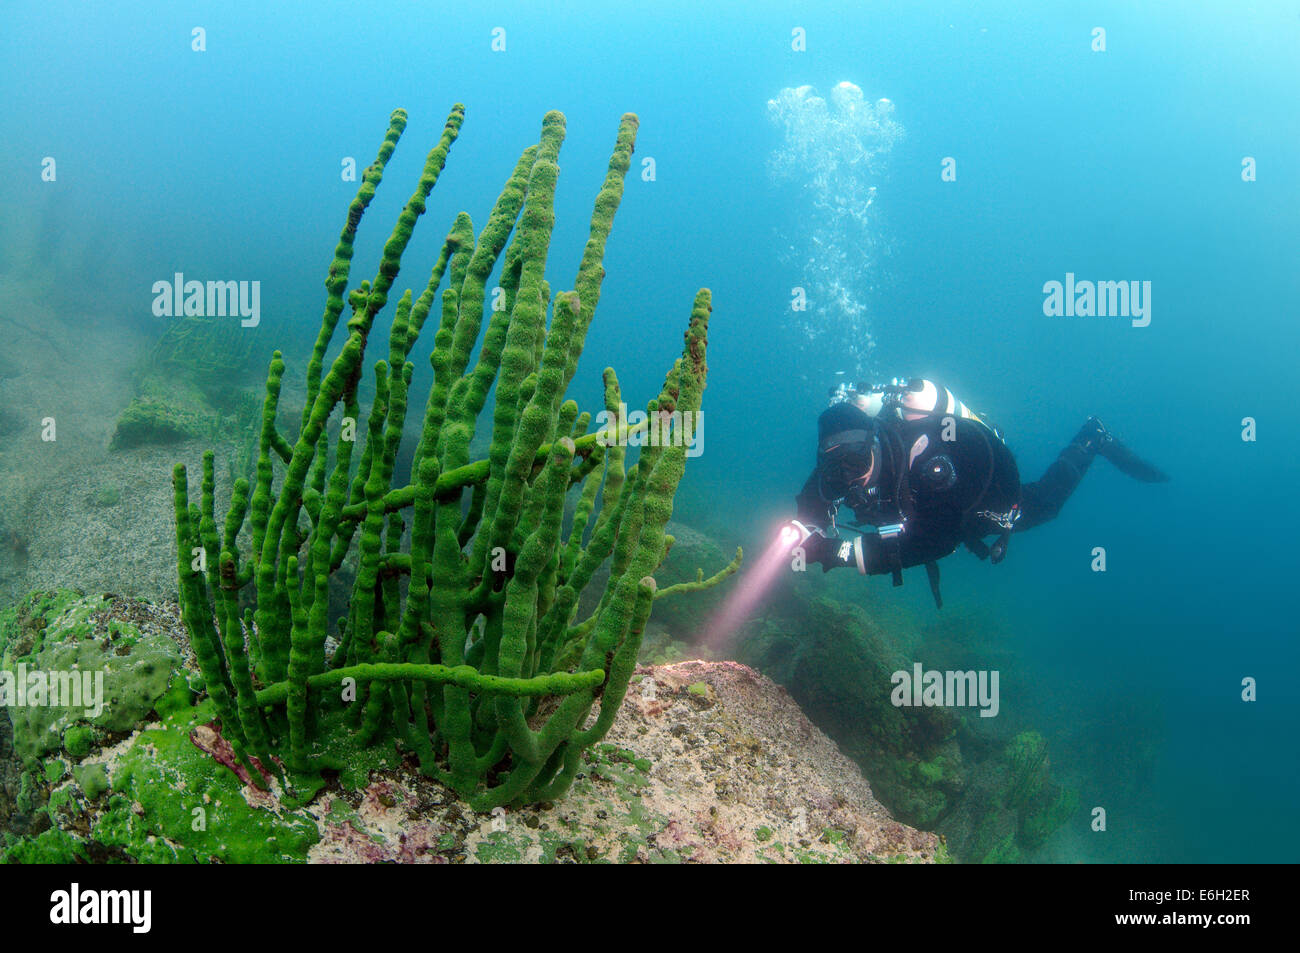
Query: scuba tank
[[915, 399]]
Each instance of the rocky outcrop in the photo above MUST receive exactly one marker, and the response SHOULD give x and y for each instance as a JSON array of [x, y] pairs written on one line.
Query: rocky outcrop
[[741, 774], [707, 762]]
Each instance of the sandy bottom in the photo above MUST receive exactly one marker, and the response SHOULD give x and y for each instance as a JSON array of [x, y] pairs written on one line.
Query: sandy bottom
[[72, 512]]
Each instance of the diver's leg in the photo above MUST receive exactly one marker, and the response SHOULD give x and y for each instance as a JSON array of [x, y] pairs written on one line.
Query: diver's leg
[[1042, 500]]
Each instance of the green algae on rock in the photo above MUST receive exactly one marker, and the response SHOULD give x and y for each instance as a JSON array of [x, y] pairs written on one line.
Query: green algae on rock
[[54, 756], [52, 637], [195, 384], [462, 641], [706, 762]]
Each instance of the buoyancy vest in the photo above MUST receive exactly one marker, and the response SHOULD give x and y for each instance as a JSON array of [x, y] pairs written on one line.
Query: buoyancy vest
[[949, 466]]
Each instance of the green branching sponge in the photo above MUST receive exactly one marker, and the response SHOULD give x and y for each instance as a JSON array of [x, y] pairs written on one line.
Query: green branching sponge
[[461, 641]]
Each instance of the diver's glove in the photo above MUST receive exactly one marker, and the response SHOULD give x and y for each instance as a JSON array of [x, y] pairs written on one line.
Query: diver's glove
[[831, 552]]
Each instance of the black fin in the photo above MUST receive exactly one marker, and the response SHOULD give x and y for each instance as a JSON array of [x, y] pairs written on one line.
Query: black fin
[[1130, 464]]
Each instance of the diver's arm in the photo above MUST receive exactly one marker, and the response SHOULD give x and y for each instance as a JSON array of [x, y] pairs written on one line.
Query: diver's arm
[[917, 550], [811, 507], [869, 553]]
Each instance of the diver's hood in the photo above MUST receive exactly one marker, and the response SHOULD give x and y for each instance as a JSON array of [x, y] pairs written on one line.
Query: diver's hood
[[848, 450], [842, 424]]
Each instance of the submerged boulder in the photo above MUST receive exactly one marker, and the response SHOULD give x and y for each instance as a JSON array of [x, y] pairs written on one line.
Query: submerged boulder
[[706, 762], [73, 670]]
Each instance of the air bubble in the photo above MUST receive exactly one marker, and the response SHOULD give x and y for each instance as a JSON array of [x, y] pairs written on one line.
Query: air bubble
[[834, 149]]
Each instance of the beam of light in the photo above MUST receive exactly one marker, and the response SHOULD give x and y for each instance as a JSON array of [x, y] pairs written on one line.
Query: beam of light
[[751, 590]]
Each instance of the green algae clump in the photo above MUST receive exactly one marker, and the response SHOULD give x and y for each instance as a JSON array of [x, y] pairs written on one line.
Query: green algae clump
[[53, 648], [78, 741], [462, 642]]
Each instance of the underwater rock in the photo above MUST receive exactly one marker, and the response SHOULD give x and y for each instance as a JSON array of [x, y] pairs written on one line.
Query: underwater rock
[[981, 829], [740, 774], [189, 387], [837, 664], [994, 800], [168, 411], [70, 671], [76, 673], [706, 762]]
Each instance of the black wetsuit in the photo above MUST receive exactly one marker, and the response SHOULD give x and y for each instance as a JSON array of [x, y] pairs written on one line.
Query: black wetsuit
[[945, 493]]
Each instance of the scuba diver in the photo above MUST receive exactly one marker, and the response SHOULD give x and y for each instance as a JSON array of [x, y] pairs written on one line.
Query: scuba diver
[[923, 473]]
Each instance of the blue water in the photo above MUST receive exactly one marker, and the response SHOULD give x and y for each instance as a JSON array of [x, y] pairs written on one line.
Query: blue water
[[1115, 165]]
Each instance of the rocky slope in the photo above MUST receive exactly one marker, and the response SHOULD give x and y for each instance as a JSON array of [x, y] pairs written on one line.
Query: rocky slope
[[707, 762]]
